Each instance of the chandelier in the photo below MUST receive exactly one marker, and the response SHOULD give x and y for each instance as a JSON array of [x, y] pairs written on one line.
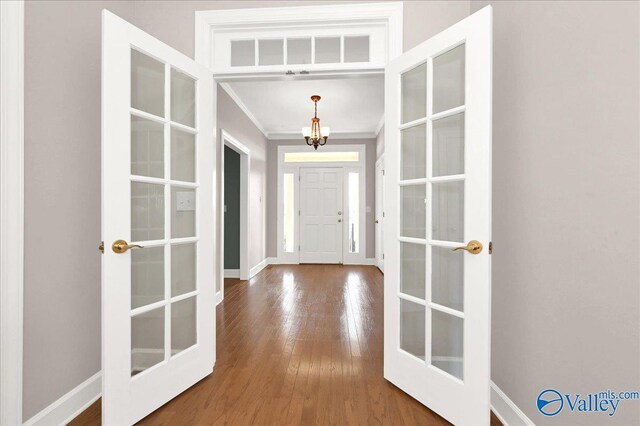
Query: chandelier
[[315, 135]]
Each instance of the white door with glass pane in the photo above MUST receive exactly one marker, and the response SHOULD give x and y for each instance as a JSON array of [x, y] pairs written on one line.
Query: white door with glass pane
[[438, 221], [321, 215], [158, 322]]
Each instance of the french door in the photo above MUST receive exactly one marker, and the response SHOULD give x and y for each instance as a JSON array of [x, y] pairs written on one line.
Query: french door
[[158, 322], [438, 221], [321, 215]]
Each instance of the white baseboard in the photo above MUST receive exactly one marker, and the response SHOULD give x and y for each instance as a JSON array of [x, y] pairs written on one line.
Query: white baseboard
[[368, 261], [70, 405], [259, 267], [232, 273], [505, 409]]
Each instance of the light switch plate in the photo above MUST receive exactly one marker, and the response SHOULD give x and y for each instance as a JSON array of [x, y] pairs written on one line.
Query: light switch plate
[[186, 201]]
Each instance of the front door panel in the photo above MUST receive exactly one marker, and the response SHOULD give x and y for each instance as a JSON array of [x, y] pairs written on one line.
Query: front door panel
[[321, 215], [438, 211]]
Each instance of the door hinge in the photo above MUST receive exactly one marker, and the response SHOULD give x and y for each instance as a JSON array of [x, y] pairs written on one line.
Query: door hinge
[[490, 247], [298, 212], [382, 214], [101, 247], [299, 178], [298, 248], [382, 172]]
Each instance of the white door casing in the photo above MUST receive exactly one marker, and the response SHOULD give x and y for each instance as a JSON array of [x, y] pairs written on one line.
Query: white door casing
[[158, 171], [321, 214], [438, 197], [379, 213]]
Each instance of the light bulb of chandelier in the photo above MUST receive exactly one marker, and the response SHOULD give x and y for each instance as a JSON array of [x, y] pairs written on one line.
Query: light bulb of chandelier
[[326, 131], [306, 131]]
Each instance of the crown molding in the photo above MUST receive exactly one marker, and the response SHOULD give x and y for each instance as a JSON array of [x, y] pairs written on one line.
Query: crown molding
[[334, 135], [233, 95]]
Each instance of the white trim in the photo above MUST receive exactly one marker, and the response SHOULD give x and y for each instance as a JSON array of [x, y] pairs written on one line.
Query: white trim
[[245, 171], [11, 209], [71, 404], [259, 267], [334, 135], [275, 261], [232, 273], [207, 22], [233, 95], [506, 410]]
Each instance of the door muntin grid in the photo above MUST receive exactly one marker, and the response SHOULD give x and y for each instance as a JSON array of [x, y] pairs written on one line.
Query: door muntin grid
[[164, 199], [432, 111]]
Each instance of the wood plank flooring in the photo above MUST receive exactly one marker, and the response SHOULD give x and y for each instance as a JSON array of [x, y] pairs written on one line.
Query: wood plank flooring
[[296, 345]]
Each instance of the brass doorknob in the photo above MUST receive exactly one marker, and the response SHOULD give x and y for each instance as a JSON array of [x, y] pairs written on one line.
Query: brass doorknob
[[473, 247], [121, 246]]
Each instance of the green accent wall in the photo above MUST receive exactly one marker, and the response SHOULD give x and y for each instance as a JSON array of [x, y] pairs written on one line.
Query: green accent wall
[[232, 214]]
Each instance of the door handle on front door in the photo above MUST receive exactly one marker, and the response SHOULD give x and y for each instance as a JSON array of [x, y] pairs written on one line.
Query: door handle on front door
[[121, 246], [473, 247]]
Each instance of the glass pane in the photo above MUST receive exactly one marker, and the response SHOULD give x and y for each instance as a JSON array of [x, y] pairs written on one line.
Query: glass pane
[[183, 269], [413, 155], [412, 269], [147, 340], [321, 157], [298, 51], [356, 49], [414, 93], [147, 211], [412, 323], [447, 275], [243, 53], [147, 276], [289, 216], [183, 99], [448, 80], [183, 156], [354, 212], [147, 148], [448, 145], [446, 343], [147, 84], [271, 52], [183, 212], [183, 325], [327, 50], [413, 211], [448, 211]]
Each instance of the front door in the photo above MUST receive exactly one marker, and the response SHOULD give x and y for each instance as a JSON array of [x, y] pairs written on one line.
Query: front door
[[321, 215], [438, 221], [158, 156]]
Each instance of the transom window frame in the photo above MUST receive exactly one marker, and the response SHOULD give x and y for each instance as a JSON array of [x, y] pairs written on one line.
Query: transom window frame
[[359, 166], [384, 19]]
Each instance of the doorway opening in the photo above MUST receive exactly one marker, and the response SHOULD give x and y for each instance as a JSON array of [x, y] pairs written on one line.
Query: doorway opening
[[234, 212]]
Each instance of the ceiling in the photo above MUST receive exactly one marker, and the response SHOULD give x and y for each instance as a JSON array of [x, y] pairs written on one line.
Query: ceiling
[[351, 107]]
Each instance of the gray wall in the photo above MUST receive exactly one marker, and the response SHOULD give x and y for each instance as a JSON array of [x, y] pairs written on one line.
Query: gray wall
[[62, 197], [231, 209], [232, 120], [62, 171], [566, 198], [272, 189]]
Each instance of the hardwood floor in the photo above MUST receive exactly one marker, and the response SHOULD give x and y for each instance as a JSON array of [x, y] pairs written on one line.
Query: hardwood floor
[[297, 345]]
